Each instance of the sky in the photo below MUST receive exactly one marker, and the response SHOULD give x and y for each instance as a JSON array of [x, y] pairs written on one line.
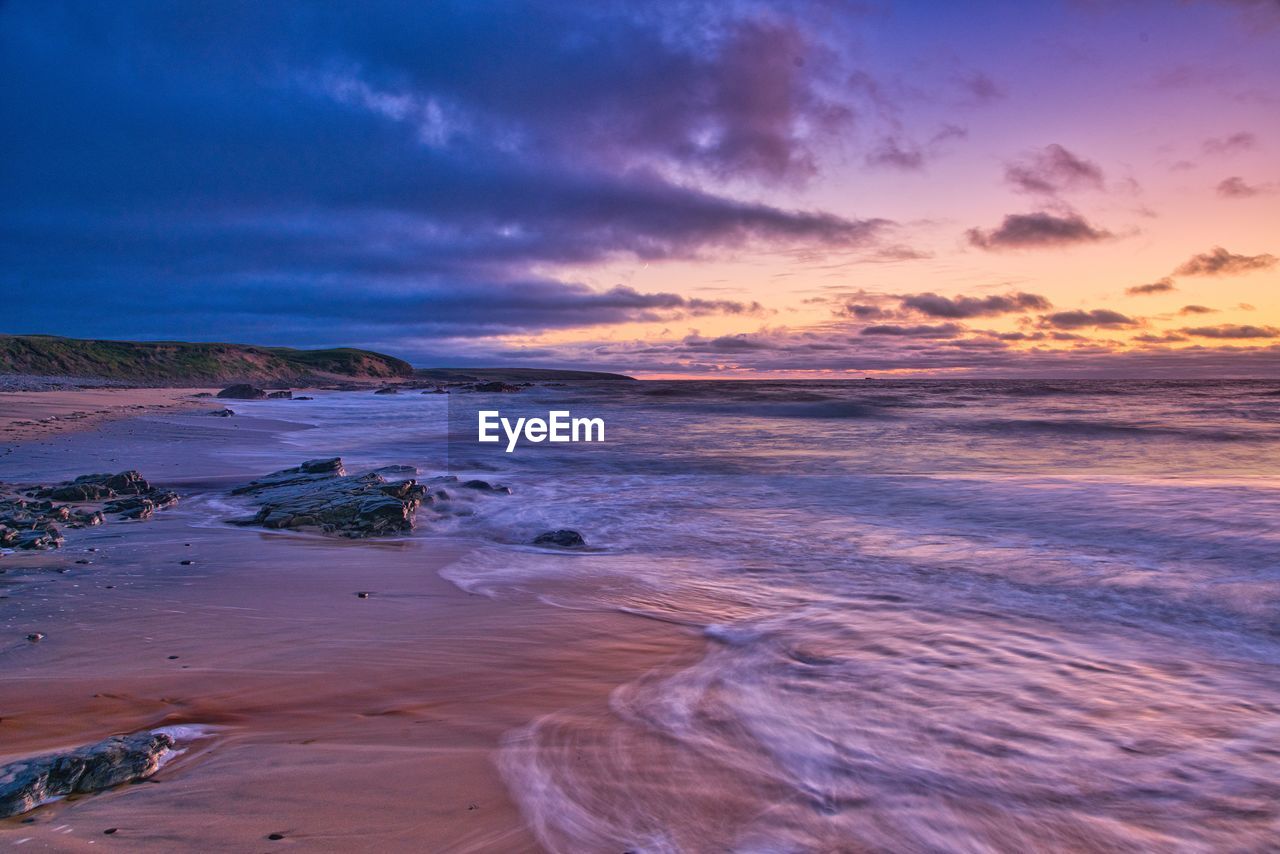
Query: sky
[[662, 188]]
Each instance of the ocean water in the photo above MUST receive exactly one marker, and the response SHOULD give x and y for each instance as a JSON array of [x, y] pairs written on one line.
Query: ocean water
[[941, 615]]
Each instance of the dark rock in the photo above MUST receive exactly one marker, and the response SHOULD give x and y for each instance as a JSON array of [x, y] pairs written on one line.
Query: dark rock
[[85, 561], [388, 390], [185, 562], [397, 472], [223, 413], [95, 487], [275, 837], [202, 394], [242, 391], [563, 538], [281, 395], [27, 783], [495, 387], [87, 519], [304, 397], [363, 594], [35, 637], [319, 494], [485, 486], [142, 506]]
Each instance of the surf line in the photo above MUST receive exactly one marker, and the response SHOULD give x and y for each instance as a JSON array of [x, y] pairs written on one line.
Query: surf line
[[558, 426]]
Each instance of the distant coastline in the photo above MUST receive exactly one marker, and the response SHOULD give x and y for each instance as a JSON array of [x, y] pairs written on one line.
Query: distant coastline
[[50, 362]]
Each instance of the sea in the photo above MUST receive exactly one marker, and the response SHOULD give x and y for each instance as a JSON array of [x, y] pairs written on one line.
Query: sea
[[938, 615]]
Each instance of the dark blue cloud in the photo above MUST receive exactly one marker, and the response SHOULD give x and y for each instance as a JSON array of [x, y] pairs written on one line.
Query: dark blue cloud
[[197, 169]]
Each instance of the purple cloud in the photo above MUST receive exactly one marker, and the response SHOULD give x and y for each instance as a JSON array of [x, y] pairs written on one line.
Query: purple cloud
[[1233, 331], [1037, 231], [1231, 144], [1162, 286], [1220, 262], [961, 307], [1080, 319], [1053, 170]]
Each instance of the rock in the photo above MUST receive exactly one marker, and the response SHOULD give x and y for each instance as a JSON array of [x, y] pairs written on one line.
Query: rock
[[87, 518], [27, 783], [304, 397], [485, 486], [280, 395], [185, 562], [28, 524], [35, 637], [362, 594], [563, 538], [495, 387], [320, 494], [398, 472], [202, 394], [388, 390], [95, 487], [242, 391], [142, 507], [223, 413]]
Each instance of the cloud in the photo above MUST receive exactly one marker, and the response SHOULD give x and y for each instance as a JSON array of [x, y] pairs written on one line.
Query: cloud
[[225, 170], [1197, 309], [863, 311], [979, 87], [806, 351], [961, 307], [1220, 262], [1037, 231], [1235, 187], [941, 330], [1232, 144], [896, 153], [1053, 170], [1161, 286], [1165, 338], [1080, 319], [1232, 330]]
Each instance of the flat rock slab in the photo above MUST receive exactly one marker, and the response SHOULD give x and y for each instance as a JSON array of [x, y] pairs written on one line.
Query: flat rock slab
[[319, 494], [28, 783]]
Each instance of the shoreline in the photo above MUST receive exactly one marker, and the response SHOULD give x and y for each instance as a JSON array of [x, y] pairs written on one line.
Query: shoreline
[[28, 415], [344, 723]]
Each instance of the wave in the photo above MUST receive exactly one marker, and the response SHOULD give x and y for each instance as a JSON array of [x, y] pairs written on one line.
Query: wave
[[826, 409], [1112, 429]]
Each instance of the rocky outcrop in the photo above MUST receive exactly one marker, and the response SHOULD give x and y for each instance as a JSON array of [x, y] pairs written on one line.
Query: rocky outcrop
[[30, 518], [320, 495], [242, 391], [223, 413], [95, 487], [28, 783], [505, 388], [563, 538], [388, 390], [485, 486], [280, 395]]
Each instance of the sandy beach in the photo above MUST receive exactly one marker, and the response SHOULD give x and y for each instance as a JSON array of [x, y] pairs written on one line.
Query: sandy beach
[[337, 722], [26, 415]]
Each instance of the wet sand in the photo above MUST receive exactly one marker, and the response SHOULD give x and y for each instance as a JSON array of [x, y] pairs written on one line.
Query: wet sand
[[26, 415], [343, 723]]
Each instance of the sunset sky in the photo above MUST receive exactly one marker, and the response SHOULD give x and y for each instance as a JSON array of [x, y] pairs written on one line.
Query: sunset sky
[[661, 188]]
